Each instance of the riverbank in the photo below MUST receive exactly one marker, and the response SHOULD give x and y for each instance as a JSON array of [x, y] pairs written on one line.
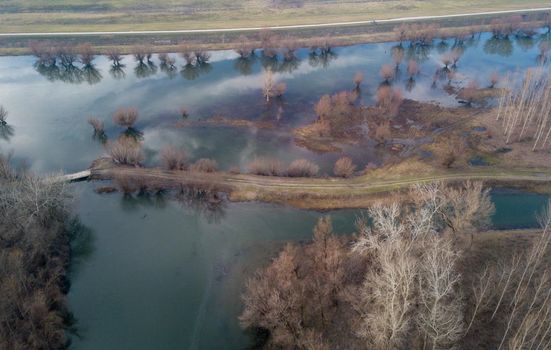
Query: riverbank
[[321, 193], [161, 38]]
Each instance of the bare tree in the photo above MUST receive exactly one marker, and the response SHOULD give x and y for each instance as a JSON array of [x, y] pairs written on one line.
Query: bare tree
[[413, 69], [494, 79], [267, 167], [358, 79], [125, 117], [387, 72], [173, 158], [440, 316], [302, 168], [344, 167], [97, 125], [126, 150], [269, 85], [204, 165]]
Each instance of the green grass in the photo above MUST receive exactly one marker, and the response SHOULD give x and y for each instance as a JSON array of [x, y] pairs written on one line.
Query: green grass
[[121, 15]]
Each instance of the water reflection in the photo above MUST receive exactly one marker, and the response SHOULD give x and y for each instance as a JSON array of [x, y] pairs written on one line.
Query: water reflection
[[193, 71], [117, 71], [6, 132], [63, 67], [502, 46], [145, 69]]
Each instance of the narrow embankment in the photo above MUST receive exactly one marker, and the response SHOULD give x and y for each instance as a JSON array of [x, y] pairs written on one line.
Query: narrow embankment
[[320, 193]]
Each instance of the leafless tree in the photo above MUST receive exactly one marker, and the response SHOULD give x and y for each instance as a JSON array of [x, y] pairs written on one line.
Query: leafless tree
[[114, 57], [358, 79], [387, 72], [440, 316], [173, 158], [87, 54], [244, 48], [126, 150], [267, 167], [302, 168], [413, 69], [494, 79], [125, 117], [269, 85], [97, 125], [204, 165], [344, 167]]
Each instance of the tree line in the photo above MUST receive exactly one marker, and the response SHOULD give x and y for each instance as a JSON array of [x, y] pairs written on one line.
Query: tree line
[[410, 278]]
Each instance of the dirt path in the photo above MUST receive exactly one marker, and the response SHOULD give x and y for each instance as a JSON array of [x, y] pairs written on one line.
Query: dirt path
[[338, 192], [283, 27]]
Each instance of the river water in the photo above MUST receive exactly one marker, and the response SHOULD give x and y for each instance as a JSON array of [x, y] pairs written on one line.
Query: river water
[[150, 273]]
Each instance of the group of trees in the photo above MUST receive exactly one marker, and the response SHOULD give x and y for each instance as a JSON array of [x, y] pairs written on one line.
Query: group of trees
[[417, 33], [526, 112], [34, 255], [405, 280], [506, 26]]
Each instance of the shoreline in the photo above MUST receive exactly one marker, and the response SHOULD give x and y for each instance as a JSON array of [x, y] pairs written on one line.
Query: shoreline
[[317, 193], [342, 33]]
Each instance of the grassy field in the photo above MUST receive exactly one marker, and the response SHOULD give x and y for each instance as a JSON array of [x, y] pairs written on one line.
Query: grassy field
[[122, 15]]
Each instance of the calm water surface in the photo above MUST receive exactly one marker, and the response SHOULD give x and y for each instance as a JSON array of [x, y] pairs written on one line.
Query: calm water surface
[[152, 274]]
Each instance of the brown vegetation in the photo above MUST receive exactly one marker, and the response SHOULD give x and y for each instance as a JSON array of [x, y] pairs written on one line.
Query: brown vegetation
[[34, 255], [173, 158], [358, 79], [126, 150], [302, 168], [344, 167], [125, 117], [87, 53], [469, 93], [204, 165], [398, 283], [267, 167], [97, 125], [417, 33], [389, 100], [413, 69], [494, 79], [387, 72]]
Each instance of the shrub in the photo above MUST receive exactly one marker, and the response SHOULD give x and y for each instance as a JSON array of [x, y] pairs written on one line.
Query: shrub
[[173, 158], [302, 168], [266, 167], [494, 79], [3, 115], [344, 167], [97, 125], [184, 112], [126, 151], [389, 99], [387, 72], [358, 79], [469, 93], [234, 170], [87, 54], [125, 117], [205, 165], [413, 68], [114, 57]]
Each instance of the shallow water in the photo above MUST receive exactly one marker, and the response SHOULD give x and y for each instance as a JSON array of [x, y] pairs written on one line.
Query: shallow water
[[48, 114], [150, 273], [160, 276]]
